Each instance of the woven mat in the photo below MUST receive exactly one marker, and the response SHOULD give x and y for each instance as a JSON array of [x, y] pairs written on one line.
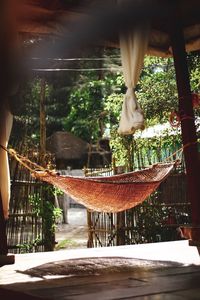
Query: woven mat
[[95, 266]]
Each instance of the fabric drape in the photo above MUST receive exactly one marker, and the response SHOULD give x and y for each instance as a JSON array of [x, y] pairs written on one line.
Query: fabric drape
[[6, 120], [133, 46]]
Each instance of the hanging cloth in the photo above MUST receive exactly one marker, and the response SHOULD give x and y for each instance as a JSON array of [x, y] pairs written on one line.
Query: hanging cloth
[[6, 120], [133, 46]]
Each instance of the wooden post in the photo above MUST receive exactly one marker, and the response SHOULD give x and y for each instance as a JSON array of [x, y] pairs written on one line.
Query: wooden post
[[7, 48], [121, 228], [90, 242], [3, 239], [42, 120], [4, 258], [189, 137], [120, 216]]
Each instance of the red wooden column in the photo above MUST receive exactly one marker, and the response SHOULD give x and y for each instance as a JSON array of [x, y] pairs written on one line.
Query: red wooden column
[[189, 137], [7, 30]]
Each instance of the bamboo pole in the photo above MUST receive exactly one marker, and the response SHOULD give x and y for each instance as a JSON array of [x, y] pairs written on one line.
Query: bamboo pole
[[42, 119], [120, 219]]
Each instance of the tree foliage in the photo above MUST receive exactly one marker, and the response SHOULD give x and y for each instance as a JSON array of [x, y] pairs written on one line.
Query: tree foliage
[[26, 112], [157, 95], [85, 102], [156, 90]]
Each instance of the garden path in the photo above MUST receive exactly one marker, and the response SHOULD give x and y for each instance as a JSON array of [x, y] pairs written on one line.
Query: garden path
[[74, 234]]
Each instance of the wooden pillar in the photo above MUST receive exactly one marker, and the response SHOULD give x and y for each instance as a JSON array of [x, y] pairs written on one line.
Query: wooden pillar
[[90, 241], [7, 47], [121, 228], [5, 259], [189, 137], [3, 239]]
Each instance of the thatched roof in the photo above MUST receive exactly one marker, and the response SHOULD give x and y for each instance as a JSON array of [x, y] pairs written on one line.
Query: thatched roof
[[98, 22], [66, 146]]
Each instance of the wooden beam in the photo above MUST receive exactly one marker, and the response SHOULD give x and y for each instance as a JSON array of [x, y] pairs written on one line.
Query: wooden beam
[[189, 137]]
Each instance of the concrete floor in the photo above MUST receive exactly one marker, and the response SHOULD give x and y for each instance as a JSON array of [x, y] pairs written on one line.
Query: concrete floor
[[167, 270]]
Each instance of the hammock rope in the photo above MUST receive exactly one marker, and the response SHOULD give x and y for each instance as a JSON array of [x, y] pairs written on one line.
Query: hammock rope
[[104, 194], [27, 163]]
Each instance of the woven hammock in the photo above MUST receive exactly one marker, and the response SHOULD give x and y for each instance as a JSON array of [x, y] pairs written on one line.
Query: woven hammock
[[104, 194], [110, 194]]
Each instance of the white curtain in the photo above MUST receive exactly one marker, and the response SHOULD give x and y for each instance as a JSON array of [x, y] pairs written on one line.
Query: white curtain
[[133, 46], [6, 120]]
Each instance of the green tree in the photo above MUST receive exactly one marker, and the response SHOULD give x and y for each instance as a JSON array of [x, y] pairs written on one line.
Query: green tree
[[87, 99], [156, 90], [26, 112], [78, 101], [157, 95], [86, 104]]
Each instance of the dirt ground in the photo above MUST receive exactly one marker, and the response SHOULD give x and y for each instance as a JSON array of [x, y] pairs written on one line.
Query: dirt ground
[[74, 234]]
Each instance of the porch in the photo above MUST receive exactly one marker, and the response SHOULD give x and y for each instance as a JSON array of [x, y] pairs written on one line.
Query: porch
[[167, 270]]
